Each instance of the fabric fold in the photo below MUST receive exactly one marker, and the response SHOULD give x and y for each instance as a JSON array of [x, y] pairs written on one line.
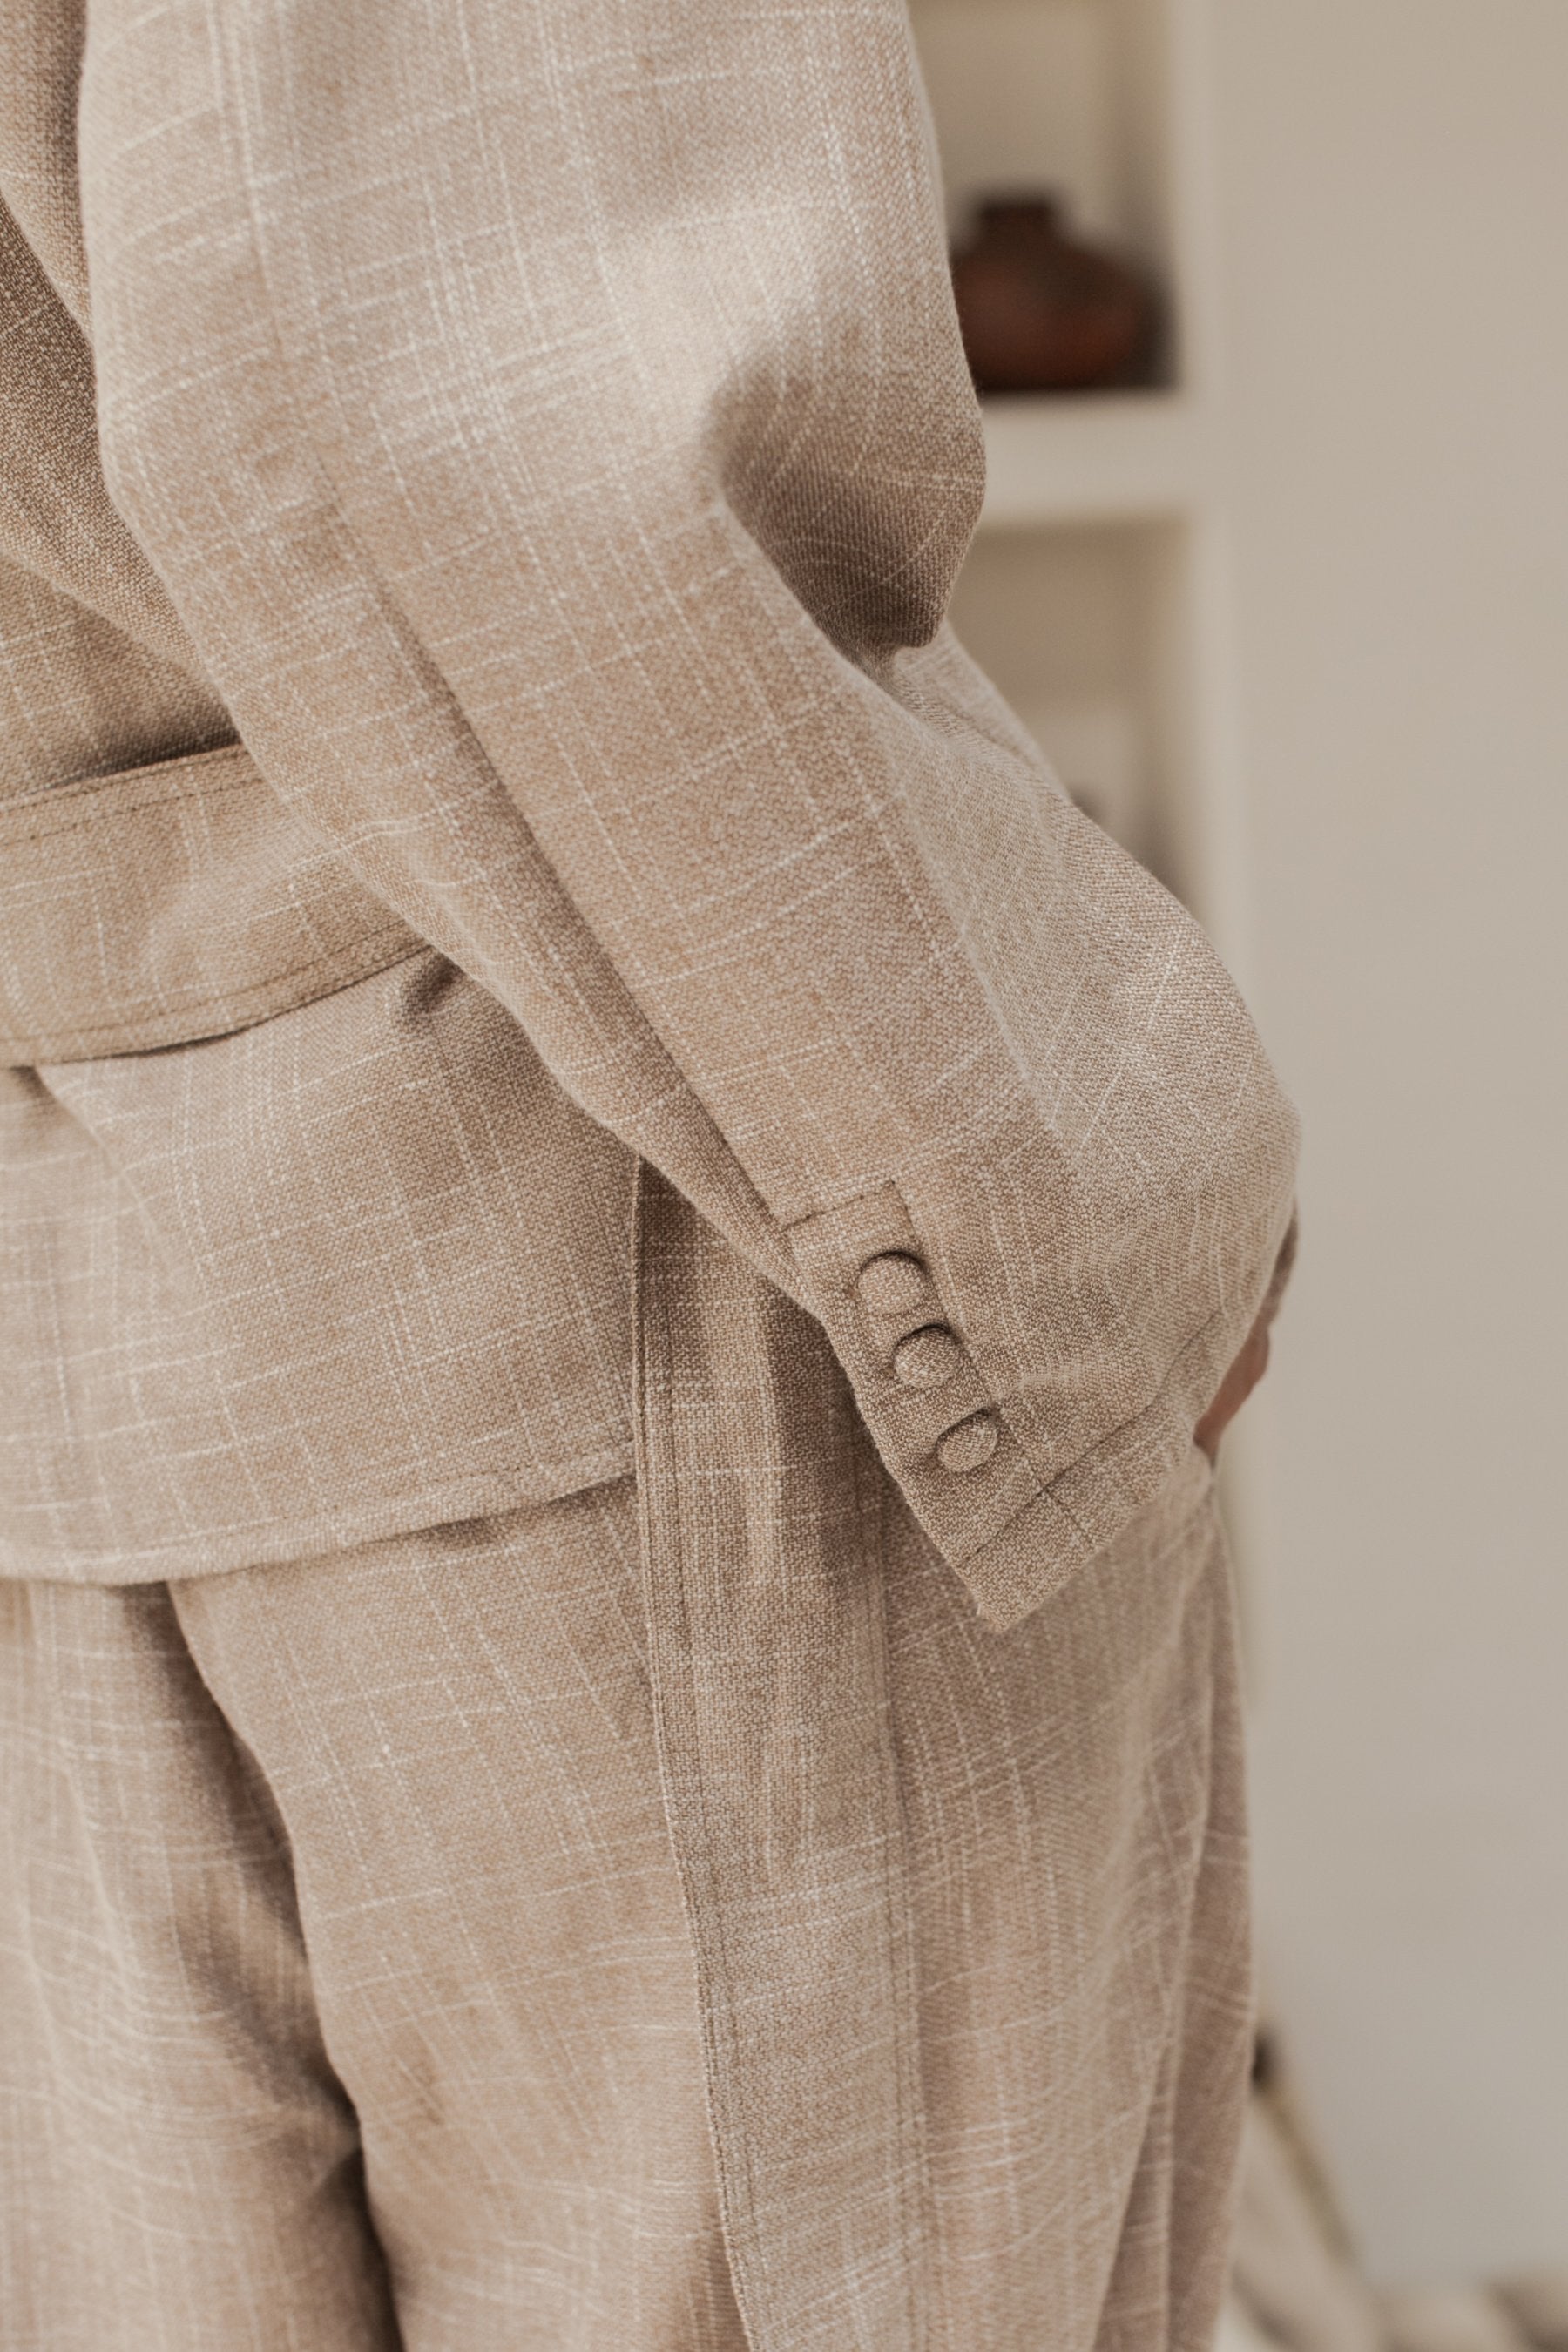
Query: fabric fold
[[767, 1644]]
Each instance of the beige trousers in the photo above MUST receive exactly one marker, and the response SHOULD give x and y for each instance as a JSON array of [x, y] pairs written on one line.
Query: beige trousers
[[347, 1999]]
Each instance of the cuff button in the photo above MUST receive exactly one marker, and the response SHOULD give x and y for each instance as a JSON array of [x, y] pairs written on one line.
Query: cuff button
[[893, 1283], [968, 1446]]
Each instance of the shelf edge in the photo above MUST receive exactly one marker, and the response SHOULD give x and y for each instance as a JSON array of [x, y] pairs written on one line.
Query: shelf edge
[[1114, 458]]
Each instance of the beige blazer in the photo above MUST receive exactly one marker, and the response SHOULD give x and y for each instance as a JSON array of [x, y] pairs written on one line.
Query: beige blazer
[[525, 945], [542, 436]]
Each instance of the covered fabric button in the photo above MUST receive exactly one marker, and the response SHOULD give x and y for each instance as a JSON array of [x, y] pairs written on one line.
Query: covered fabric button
[[927, 1357], [973, 1442], [892, 1285]]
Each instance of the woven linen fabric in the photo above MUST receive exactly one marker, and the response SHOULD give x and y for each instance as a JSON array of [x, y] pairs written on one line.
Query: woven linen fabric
[[306, 1275], [542, 436], [527, 951], [347, 1991]]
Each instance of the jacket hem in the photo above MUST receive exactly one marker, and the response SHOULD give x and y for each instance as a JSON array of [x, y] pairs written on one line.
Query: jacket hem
[[1040, 1551], [277, 1542]]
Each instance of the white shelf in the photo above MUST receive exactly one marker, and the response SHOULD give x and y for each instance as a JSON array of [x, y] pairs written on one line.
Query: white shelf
[[1102, 458]]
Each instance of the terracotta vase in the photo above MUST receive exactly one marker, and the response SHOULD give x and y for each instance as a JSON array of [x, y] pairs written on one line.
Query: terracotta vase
[[1041, 312]]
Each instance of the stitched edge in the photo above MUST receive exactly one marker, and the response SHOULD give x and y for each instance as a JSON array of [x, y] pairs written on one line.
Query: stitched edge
[[180, 785], [265, 1542], [232, 1012]]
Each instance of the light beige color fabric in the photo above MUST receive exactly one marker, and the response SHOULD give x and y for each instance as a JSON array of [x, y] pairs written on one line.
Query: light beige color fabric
[[362, 1265], [544, 433], [180, 902], [539, 436], [431, 1766]]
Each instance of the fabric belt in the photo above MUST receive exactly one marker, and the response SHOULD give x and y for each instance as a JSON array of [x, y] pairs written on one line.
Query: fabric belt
[[168, 903]]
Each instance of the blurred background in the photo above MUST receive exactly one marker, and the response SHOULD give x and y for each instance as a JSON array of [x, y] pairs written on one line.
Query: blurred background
[[1277, 568]]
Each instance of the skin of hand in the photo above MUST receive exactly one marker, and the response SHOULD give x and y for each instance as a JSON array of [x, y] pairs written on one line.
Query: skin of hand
[[1252, 1361]]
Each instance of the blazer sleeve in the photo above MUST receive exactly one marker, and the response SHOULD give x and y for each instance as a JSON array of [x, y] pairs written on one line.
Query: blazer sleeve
[[549, 420]]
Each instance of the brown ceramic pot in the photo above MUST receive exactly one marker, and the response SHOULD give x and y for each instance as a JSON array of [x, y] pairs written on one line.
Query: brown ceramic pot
[[1040, 312]]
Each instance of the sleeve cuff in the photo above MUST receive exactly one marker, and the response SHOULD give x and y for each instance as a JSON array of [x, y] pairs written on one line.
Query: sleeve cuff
[[1013, 1530]]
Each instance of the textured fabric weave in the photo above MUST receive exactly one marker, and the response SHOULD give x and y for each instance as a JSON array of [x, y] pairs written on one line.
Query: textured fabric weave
[[520, 903], [362, 1266], [143, 908], [543, 434], [431, 1766]]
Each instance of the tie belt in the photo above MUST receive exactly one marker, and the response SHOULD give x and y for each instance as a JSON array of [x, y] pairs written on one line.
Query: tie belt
[[168, 903]]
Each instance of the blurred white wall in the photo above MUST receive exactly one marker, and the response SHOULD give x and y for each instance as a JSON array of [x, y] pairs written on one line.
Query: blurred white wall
[[1392, 183]]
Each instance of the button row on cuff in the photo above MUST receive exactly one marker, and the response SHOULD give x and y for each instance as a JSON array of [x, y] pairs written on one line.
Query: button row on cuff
[[895, 1284], [969, 1446], [927, 1357]]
